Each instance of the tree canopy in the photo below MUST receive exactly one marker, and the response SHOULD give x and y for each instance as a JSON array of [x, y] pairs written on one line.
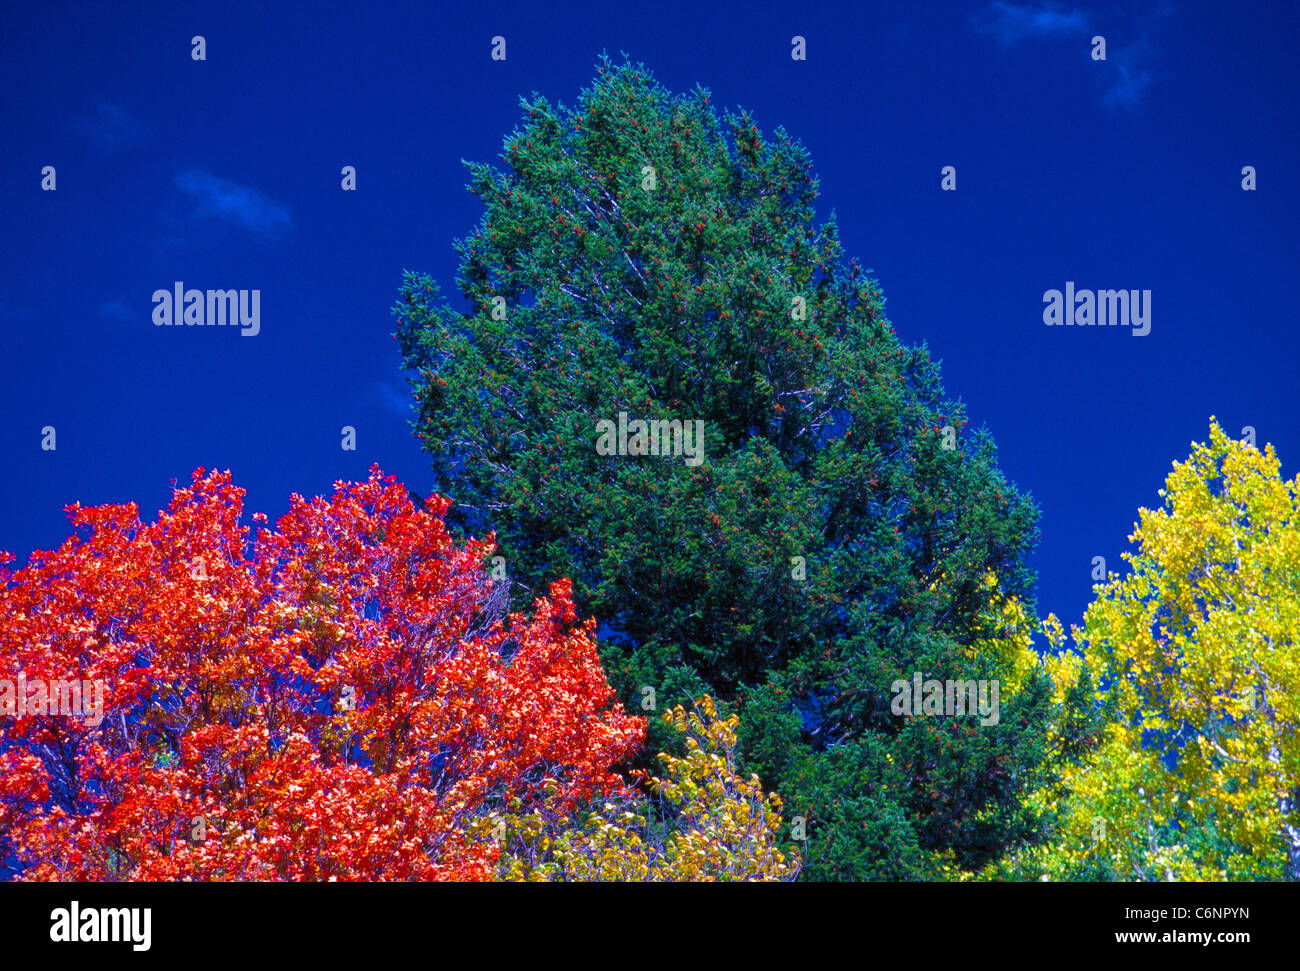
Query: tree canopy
[[1192, 660], [639, 259], [344, 698]]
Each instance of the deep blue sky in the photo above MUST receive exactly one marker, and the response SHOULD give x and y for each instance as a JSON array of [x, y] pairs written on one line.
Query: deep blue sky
[[225, 173]]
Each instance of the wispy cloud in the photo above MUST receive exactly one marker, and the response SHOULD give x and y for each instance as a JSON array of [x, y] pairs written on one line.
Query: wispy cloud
[[1130, 78], [233, 203], [116, 308], [392, 398], [112, 127], [1010, 23], [1124, 74]]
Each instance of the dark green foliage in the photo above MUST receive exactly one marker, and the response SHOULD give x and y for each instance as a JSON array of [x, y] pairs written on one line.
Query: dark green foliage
[[824, 440]]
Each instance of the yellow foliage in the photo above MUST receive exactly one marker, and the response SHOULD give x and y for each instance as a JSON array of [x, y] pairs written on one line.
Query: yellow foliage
[[725, 829], [1008, 636], [1200, 644]]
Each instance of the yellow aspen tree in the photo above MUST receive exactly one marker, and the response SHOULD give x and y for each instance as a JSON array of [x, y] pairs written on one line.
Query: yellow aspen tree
[[1198, 644]]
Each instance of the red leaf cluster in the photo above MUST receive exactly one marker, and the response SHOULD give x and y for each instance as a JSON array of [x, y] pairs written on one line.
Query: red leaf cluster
[[342, 698]]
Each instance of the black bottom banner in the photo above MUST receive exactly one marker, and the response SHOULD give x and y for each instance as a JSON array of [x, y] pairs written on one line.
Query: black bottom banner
[[146, 922]]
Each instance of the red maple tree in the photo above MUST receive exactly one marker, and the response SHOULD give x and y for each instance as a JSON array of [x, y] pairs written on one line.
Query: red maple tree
[[342, 699]]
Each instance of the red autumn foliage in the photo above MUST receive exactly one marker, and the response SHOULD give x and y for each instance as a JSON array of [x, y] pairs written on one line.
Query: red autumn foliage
[[341, 699]]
